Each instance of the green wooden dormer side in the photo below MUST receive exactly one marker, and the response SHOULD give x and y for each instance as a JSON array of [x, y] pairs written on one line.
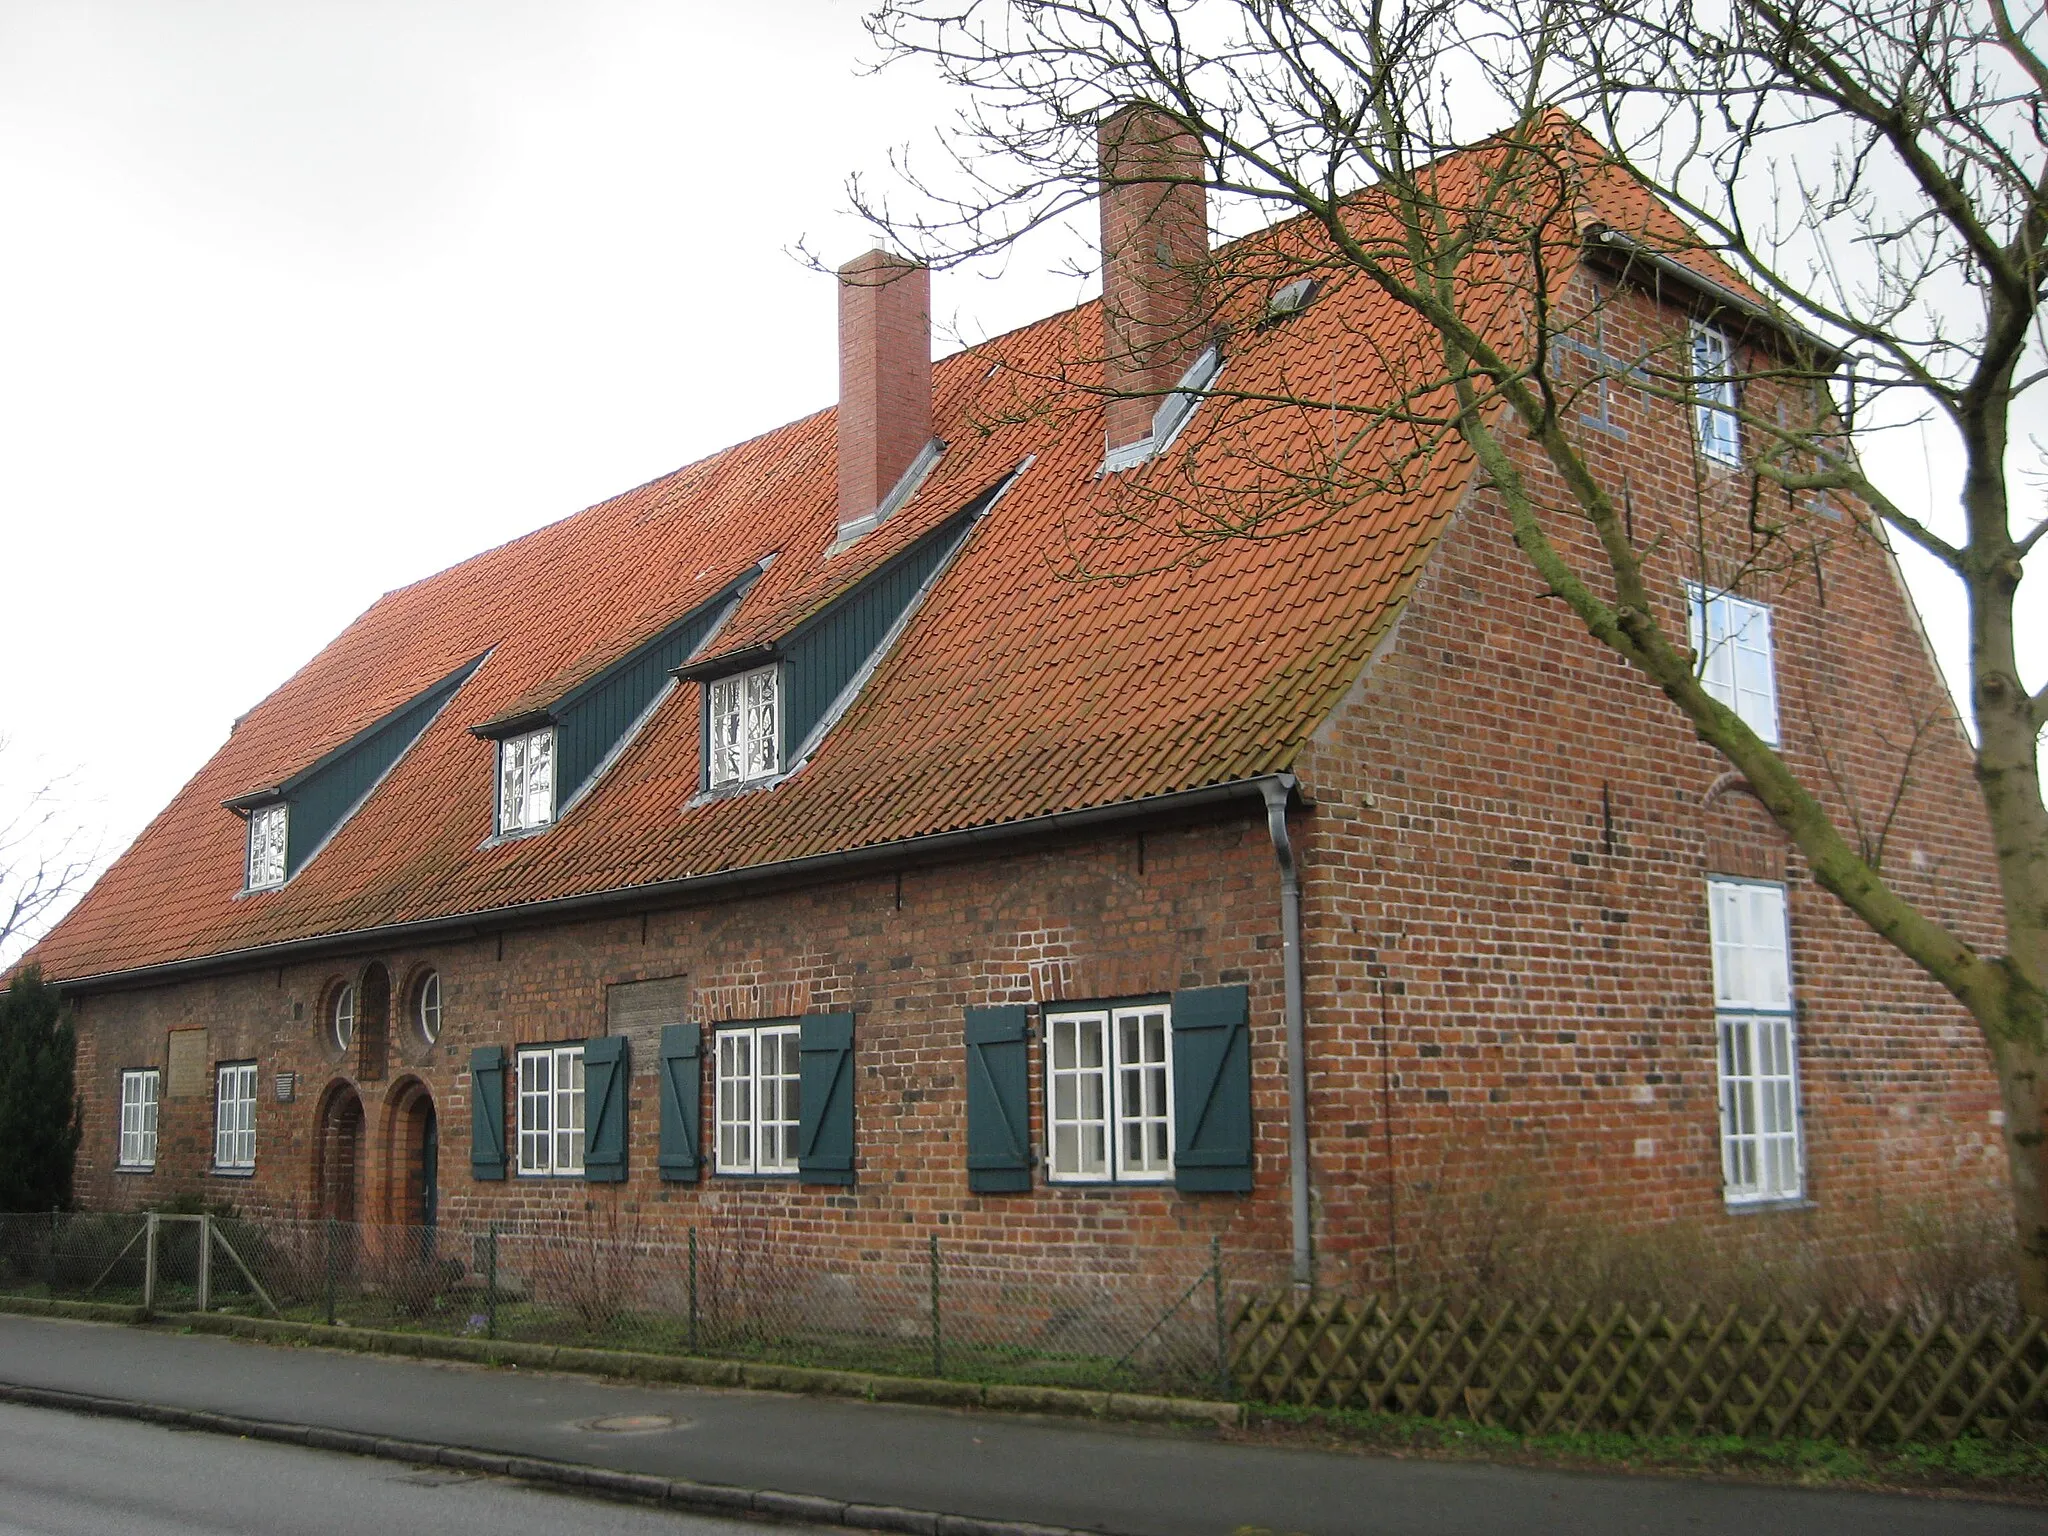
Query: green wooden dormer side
[[324, 794], [594, 720], [825, 654]]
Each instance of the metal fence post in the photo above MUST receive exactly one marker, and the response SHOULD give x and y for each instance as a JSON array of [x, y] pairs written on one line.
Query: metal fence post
[[332, 1259], [693, 1290], [50, 1254], [1222, 1334], [491, 1282], [938, 1334], [149, 1265], [205, 1263]]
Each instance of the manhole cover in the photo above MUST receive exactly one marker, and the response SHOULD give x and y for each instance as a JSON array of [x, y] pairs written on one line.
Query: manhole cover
[[631, 1423]]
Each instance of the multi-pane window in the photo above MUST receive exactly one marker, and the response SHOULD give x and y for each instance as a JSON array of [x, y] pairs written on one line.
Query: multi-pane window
[[1713, 393], [138, 1119], [1760, 1151], [1733, 640], [234, 1115], [526, 780], [758, 1099], [267, 827], [741, 726], [1109, 1077], [551, 1109]]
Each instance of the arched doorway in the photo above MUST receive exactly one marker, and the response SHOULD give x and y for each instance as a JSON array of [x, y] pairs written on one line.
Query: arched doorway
[[338, 1154], [412, 1156]]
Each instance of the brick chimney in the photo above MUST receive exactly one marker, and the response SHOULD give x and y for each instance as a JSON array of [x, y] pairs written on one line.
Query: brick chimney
[[1155, 241], [885, 377]]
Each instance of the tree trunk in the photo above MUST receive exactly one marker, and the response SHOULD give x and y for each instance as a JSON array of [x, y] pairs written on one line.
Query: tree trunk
[[2022, 1076]]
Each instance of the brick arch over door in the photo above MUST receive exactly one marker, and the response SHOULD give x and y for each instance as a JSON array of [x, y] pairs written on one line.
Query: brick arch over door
[[340, 1151], [408, 1145]]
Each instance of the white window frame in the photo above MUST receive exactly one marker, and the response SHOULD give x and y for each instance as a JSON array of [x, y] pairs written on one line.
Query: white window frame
[[757, 1099], [1756, 1048], [140, 1092], [1714, 395], [341, 1017], [427, 1007], [234, 1117], [742, 727], [526, 781], [269, 834], [1127, 1109], [1738, 663], [551, 1110]]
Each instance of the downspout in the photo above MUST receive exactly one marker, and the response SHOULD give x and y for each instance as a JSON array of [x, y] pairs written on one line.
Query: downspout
[[1277, 791]]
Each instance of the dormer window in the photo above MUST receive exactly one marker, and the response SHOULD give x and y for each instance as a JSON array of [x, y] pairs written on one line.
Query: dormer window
[[742, 714], [268, 825], [526, 781]]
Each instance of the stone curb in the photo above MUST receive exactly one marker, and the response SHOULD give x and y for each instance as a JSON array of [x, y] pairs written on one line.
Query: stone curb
[[672, 1369], [675, 1493]]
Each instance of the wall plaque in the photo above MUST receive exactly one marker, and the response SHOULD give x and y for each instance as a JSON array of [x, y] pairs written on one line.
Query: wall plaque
[[638, 1009], [185, 1073]]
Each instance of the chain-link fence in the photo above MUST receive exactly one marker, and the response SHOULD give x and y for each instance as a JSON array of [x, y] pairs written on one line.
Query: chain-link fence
[[939, 1308]]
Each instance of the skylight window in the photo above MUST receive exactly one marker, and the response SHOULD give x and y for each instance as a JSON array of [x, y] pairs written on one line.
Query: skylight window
[[268, 825], [741, 718], [526, 781]]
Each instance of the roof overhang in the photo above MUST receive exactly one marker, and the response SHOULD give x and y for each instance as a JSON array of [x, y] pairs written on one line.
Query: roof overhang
[[1625, 251], [1210, 801]]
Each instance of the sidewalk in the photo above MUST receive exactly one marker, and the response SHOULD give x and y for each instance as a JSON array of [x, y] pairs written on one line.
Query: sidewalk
[[1126, 1480]]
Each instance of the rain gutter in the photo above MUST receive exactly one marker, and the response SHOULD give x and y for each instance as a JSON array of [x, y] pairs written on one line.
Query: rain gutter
[[690, 888]]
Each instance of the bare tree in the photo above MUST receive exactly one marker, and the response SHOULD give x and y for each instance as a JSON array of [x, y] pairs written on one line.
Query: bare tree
[[46, 859], [1875, 174]]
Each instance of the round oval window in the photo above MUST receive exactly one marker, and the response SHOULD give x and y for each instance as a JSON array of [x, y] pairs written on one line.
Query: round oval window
[[430, 1007], [344, 1021]]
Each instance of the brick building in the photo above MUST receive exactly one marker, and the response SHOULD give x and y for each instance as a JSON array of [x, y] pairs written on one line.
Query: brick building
[[900, 820]]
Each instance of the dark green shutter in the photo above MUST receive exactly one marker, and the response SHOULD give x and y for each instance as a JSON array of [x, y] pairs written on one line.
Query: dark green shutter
[[487, 1112], [1212, 1089], [682, 1051], [998, 1099], [604, 1109], [824, 1138]]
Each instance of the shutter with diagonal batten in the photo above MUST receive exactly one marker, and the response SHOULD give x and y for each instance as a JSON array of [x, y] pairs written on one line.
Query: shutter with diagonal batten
[[1212, 1089], [825, 1130], [998, 1099]]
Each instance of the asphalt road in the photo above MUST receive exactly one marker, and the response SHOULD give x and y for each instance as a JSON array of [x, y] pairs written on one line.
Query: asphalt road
[[1132, 1481], [65, 1474]]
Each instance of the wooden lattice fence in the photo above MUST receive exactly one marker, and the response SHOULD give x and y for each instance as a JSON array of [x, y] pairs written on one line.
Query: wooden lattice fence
[[1537, 1368]]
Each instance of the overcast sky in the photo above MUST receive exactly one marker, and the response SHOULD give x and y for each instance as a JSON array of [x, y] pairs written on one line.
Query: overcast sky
[[304, 301]]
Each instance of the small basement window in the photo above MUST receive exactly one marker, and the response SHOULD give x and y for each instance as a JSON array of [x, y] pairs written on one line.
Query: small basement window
[[741, 719], [526, 780], [268, 825]]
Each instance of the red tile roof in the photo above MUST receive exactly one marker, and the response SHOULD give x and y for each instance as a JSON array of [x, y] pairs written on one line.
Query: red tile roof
[[1018, 690]]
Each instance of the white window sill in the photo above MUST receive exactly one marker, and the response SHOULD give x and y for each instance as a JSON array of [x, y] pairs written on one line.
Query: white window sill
[[1742, 1205], [233, 1173], [135, 1167], [499, 839]]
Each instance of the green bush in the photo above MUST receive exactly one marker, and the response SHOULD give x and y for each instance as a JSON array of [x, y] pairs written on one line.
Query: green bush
[[41, 1115]]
